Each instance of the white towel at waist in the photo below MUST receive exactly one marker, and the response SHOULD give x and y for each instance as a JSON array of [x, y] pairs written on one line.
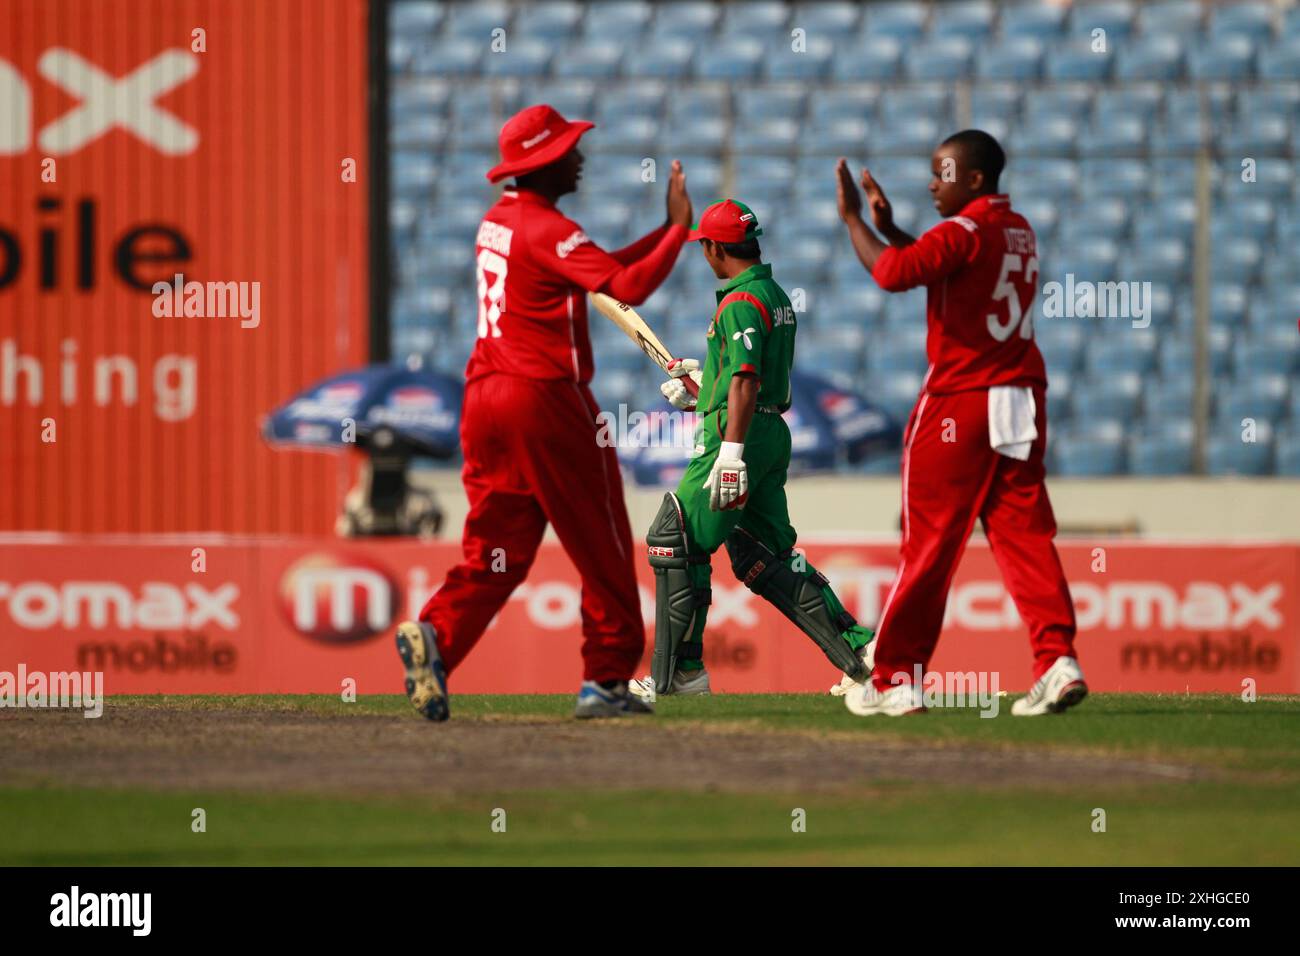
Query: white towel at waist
[[1012, 431]]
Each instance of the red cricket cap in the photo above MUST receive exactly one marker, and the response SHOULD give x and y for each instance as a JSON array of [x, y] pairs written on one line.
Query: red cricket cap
[[726, 220], [534, 137]]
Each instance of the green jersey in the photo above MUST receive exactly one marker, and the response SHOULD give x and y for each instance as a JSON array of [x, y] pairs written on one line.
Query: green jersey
[[752, 331]]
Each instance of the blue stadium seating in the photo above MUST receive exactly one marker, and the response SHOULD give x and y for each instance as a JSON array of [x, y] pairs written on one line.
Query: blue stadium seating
[[1101, 148], [1162, 447]]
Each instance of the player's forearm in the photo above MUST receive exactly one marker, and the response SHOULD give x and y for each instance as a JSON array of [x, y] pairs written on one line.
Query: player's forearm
[[742, 399], [866, 243], [634, 283], [641, 247]]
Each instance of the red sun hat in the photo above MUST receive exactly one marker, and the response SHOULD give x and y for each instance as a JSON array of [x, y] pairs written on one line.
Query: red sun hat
[[534, 137], [727, 220]]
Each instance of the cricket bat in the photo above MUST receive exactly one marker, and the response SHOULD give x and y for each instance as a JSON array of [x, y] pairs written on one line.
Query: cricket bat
[[636, 329]]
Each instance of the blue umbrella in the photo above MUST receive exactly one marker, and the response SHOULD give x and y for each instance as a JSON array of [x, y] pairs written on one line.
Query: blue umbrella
[[862, 430], [421, 407]]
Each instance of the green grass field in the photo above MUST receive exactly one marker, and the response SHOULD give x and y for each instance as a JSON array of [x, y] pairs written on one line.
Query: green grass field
[[1242, 806]]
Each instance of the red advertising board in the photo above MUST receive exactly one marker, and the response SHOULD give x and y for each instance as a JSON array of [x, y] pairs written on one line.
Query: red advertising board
[[222, 140], [277, 615]]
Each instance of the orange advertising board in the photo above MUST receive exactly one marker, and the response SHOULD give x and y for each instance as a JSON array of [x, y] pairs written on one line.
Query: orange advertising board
[[222, 141], [277, 615]]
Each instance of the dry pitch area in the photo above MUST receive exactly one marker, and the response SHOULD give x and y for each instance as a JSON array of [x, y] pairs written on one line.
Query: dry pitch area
[[729, 769]]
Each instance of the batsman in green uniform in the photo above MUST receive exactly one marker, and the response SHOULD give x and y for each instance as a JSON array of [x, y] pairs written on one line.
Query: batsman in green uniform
[[733, 492]]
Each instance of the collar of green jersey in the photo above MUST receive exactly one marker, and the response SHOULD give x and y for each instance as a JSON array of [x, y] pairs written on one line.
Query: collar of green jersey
[[762, 270]]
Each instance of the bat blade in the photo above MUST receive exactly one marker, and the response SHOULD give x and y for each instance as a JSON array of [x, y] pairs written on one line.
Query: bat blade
[[639, 331]]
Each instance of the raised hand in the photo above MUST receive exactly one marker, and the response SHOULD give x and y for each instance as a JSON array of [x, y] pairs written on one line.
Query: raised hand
[[882, 213], [679, 201], [846, 193]]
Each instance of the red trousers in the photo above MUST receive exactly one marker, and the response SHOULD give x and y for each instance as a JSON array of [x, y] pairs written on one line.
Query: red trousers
[[950, 478], [531, 457]]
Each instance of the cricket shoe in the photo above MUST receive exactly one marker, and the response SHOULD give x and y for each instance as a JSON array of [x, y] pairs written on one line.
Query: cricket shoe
[[1060, 688], [866, 700], [616, 701], [426, 677], [685, 684], [866, 653]]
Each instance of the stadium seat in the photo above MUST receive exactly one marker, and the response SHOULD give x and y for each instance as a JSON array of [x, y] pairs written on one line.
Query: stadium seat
[[898, 20], [454, 56], [1278, 307], [1114, 397], [897, 354], [734, 59], [1161, 448], [1180, 17], [476, 21], [702, 132], [525, 58], [1048, 137], [1257, 135], [617, 19], [1075, 61], [667, 58], [1118, 178], [942, 58], [1228, 304], [875, 60], [594, 58], [969, 19], [1251, 18], [1061, 342], [830, 19], [930, 100], [1280, 60], [1117, 349], [1156, 57], [1286, 445], [1087, 451], [1267, 352], [1230, 455], [1038, 21], [759, 134], [763, 20], [812, 62], [549, 22], [1222, 58], [1114, 16], [1177, 355], [1016, 58], [1241, 215], [1115, 136], [1157, 260], [910, 135], [1261, 397], [1142, 100], [684, 18], [1236, 262], [1167, 398], [860, 306]]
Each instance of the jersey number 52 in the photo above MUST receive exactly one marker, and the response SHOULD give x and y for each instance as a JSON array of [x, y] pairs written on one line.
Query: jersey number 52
[[1006, 290]]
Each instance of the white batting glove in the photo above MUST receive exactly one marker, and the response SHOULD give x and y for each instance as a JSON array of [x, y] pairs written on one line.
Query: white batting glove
[[675, 389], [728, 482]]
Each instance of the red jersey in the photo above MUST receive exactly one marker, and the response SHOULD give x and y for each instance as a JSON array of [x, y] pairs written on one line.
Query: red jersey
[[980, 271]]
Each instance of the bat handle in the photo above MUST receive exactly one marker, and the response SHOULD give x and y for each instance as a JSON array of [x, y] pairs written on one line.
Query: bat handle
[[692, 387]]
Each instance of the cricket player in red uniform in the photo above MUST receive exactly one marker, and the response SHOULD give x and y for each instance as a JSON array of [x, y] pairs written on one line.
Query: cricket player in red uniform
[[528, 426], [974, 444]]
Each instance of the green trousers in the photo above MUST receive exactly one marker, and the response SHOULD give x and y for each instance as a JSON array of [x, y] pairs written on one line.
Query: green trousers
[[765, 515]]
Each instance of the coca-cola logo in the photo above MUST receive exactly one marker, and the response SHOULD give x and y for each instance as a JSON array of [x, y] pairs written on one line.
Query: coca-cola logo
[[338, 599]]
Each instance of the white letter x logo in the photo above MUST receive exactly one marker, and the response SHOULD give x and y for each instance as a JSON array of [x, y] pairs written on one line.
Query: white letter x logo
[[745, 335], [109, 102]]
